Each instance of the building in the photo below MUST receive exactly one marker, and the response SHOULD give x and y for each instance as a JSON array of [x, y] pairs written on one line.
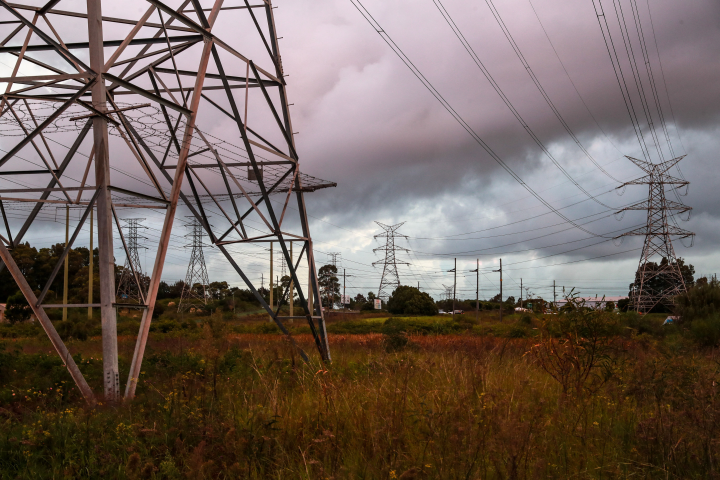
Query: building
[[593, 302]]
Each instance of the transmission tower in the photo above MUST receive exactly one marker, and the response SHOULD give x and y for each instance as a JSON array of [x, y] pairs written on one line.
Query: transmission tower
[[194, 292], [448, 294], [657, 284], [132, 284], [390, 279], [150, 79], [334, 258]]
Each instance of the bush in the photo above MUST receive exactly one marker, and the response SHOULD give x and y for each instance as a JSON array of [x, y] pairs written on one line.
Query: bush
[[411, 301], [78, 330], [700, 302], [158, 310], [17, 309], [706, 331]]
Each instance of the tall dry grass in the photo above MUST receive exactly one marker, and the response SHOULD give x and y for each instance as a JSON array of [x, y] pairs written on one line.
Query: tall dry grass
[[446, 407]]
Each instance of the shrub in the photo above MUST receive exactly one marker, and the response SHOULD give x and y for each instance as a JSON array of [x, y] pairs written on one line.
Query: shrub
[[395, 342], [706, 331], [583, 358], [411, 301], [17, 308], [72, 328], [701, 301]]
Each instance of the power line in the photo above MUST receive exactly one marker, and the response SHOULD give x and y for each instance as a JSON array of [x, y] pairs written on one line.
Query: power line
[[418, 74]]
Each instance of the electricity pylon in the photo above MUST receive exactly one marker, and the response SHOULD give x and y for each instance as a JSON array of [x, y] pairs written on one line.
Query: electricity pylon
[[657, 285], [194, 290], [390, 279], [144, 82], [131, 284]]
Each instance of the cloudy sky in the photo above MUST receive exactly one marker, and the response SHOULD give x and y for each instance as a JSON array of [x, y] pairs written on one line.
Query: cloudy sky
[[368, 123]]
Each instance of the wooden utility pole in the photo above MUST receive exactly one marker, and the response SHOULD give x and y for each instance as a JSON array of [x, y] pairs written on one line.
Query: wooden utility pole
[[90, 268], [477, 289], [292, 285], [501, 293], [67, 261], [521, 290], [554, 296], [454, 270], [271, 276]]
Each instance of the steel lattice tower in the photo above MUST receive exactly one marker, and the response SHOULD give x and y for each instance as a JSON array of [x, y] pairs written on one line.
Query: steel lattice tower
[[654, 286], [390, 279], [197, 271], [92, 88], [132, 284]]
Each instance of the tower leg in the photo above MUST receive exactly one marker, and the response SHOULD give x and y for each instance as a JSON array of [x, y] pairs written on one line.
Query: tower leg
[[111, 376]]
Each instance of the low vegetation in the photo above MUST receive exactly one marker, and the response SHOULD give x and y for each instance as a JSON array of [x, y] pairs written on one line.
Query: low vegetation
[[580, 394]]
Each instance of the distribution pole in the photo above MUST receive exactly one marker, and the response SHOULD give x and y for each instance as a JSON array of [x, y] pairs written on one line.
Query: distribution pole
[[90, 268], [501, 293], [521, 290], [554, 295], [271, 274], [477, 289], [343, 297], [454, 285], [67, 261], [291, 289]]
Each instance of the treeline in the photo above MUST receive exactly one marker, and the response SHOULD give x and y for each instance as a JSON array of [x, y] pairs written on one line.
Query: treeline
[[37, 265]]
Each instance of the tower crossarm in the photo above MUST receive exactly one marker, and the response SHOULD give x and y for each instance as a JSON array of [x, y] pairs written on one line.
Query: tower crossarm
[[660, 230], [672, 206], [655, 168], [653, 179]]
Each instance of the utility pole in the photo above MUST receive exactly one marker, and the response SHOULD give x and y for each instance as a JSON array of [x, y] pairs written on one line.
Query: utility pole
[[454, 270], [67, 261], [90, 268], [454, 285], [343, 295], [501, 294], [554, 296], [291, 289], [390, 279], [477, 290], [521, 290], [271, 275]]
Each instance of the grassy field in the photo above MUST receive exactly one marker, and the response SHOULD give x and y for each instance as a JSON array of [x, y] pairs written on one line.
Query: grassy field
[[587, 395]]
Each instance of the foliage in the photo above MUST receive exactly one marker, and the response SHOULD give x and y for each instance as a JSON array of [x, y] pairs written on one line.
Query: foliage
[[706, 330], [577, 349], [700, 301], [17, 308], [660, 282], [411, 301], [445, 407], [329, 284]]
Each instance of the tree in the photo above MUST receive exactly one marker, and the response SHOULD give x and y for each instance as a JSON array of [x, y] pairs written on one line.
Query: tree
[[329, 284], [411, 301], [661, 283], [17, 308]]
